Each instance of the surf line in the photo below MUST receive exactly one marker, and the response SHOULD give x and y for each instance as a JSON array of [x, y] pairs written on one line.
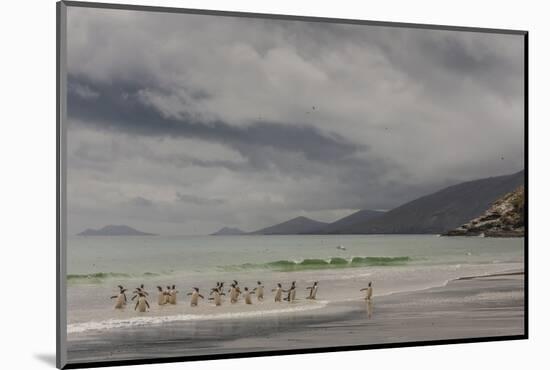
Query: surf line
[[155, 320]]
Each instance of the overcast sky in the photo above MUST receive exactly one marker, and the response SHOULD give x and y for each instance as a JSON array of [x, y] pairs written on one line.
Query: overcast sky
[[183, 124]]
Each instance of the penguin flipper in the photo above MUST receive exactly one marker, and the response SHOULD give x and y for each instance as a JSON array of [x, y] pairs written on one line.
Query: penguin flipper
[[114, 296]]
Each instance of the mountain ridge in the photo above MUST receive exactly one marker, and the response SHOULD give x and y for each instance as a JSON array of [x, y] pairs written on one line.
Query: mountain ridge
[[114, 230], [296, 225], [229, 231], [443, 210]]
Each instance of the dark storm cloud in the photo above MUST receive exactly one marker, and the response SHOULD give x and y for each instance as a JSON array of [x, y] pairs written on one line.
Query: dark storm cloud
[[117, 106]]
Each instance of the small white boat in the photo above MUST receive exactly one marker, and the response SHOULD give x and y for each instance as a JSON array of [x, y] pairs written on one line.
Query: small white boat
[[341, 247]]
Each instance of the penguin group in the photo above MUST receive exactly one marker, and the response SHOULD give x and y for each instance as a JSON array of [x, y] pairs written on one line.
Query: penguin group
[[169, 295]]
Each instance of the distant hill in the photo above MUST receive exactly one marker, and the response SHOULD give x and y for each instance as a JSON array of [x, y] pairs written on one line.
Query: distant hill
[[441, 211], [339, 226], [229, 231], [298, 225], [505, 218], [114, 230]]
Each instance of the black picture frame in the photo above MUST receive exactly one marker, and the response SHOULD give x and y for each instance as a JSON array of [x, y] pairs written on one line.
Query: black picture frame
[[61, 234]]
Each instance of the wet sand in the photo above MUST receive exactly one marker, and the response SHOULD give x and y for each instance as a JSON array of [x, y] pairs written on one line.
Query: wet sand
[[471, 307]]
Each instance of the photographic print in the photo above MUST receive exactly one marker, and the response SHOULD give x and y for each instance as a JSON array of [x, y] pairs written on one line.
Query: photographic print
[[239, 185]]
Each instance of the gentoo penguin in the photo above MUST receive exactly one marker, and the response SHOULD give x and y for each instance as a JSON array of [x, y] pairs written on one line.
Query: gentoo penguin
[[195, 297], [120, 299], [278, 292], [246, 296], [141, 305], [291, 292], [234, 293], [173, 297], [312, 291], [161, 297], [217, 296], [259, 290], [120, 287], [220, 288], [368, 297]]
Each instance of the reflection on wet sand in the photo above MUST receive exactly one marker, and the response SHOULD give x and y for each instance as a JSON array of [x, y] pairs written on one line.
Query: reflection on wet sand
[[370, 307]]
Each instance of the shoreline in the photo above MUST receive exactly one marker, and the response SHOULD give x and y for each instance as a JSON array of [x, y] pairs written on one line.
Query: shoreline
[[469, 307]]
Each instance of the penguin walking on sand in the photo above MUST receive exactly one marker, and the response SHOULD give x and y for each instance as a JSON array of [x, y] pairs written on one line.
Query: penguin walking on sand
[[312, 291], [173, 297], [120, 288], [259, 290], [162, 296], [217, 296], [278, 292], [368, 297], [246, 295], [195, 295], [291, 292], [234, 293], [120, 298], [141, 305]]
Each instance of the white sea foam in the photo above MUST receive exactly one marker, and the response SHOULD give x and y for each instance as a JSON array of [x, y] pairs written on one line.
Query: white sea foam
[[157, 320]]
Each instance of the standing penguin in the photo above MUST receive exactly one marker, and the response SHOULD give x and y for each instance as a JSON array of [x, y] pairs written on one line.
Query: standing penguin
[[237, 290], [278, 292], [120, 288], [259, 290], [120, 299], [162, 296], [312, 291], [246, 296], [195, 297], [291, 292], [234, 293], [141, 305], [217, 296], [173, 298], [368, 297], [220, 288]]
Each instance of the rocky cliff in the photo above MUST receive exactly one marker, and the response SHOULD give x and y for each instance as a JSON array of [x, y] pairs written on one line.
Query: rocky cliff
[[505, 218]]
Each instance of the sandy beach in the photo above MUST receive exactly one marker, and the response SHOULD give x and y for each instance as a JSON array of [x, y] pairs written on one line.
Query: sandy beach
[[474, 306]]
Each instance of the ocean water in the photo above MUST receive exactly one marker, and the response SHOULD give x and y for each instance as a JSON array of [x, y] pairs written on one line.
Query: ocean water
[[394, 263]]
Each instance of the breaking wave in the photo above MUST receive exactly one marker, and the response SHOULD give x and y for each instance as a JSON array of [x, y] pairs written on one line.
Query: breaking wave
[[319, 263]]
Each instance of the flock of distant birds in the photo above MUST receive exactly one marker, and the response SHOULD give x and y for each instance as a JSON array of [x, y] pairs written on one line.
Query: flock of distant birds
[[170, 294]]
